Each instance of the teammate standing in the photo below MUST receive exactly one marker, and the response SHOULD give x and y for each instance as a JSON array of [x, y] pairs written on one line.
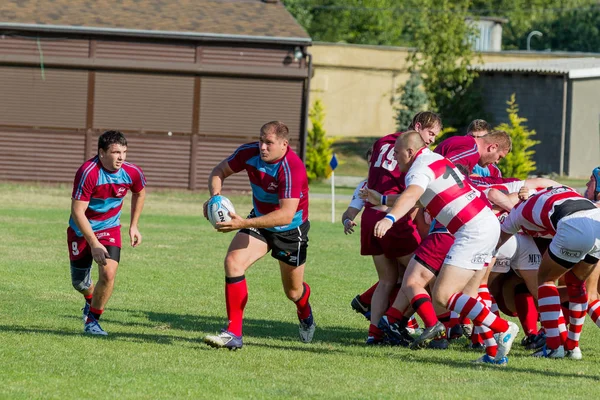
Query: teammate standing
[[94, 232]]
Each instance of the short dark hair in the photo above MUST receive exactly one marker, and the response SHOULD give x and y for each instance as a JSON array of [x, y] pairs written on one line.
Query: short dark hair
[[278, 128], [479, 125], [111, 137], [427, 119]]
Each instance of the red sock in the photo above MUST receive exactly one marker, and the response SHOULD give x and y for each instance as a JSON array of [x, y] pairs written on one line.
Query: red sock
[[302, 304], [445, 319], [95, 313], [550, 315], [577, 308], [375, 332], [88, 298], [423, 306], [594, 312], [467, 306], [526, 310], [236, 297], [367, 296], [394, 315]]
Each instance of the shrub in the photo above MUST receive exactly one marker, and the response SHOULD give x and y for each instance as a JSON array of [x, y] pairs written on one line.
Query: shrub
[[519, 162], [318, 146]]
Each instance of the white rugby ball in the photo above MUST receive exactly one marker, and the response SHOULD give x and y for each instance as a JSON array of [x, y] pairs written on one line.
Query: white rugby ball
[[218, 210]]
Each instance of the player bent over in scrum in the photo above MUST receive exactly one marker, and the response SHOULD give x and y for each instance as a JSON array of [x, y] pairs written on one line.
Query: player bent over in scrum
[[434, 181]]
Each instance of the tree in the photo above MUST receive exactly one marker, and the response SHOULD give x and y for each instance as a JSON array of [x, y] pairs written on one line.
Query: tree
[[443, 55], [318, 146], [412, 100], [374, 22], [518, 163]]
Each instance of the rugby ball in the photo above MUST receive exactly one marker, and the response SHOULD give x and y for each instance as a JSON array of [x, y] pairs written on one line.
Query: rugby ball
[[218, 209]]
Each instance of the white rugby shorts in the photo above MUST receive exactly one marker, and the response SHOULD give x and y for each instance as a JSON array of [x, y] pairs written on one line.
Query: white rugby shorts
[[475, 242]]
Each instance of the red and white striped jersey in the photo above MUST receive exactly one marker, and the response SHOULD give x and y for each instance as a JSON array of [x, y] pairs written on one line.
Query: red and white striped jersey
[[448, 197], [538, 216]]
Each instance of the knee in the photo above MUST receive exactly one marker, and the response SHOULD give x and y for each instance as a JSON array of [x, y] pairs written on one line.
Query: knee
[[294, 294], [107, 275], [81, 278], [233, 266]]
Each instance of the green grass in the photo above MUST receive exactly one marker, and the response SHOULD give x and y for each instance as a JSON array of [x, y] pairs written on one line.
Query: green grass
[[169, 293]]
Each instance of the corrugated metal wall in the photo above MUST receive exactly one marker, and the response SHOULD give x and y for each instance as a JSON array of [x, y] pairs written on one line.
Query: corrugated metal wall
[[41, 156], [54, 113], [49, 98], [143, 102], [239, 107]]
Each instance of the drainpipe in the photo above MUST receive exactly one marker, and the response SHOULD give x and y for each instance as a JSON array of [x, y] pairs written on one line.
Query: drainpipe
[[306, 108], [563, 129]]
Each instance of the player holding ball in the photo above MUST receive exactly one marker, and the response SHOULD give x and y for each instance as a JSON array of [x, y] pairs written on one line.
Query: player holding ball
[[277, 224]]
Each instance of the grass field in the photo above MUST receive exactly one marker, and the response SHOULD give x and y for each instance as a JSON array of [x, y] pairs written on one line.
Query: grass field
[[169, 294]]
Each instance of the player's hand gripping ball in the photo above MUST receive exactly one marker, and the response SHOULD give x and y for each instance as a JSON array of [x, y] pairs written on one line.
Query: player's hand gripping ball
[[218, 210]]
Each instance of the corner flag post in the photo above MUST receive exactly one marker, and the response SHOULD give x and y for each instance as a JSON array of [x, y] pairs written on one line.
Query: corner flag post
[[333, 163]]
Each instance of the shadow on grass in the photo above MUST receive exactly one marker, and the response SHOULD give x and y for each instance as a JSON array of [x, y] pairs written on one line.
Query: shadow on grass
[[254, 328], [258, 330]]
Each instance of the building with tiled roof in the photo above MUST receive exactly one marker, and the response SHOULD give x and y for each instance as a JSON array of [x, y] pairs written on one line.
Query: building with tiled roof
[[186, 80]]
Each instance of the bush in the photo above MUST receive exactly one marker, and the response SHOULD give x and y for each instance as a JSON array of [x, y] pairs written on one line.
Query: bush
[[519, 162], [318, 146], [412, 101]]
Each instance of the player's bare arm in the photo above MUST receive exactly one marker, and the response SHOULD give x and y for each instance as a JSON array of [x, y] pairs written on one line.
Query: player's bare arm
[[504, 201], [137, 205], [281, 217], [405, 203], [348, 219], [99, 252]]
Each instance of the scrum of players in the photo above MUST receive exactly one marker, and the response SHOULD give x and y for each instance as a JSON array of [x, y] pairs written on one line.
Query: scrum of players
[[456, 243]]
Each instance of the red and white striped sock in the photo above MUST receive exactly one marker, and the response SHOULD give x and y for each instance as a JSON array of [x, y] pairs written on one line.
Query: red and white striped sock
[[594, 312], [577, 308], [467, 306], [550, 315], [412, 323], [485, 334]]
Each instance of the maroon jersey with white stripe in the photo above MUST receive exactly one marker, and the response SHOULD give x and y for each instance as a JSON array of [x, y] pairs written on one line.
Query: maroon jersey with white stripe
[[448, 197], [460, 150], [384, 175], [538, 216]]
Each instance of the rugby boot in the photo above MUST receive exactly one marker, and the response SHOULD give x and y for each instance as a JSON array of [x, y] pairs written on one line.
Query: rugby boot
[[396, 334], [505, 340], [574, 354], [360, 307], [225, 339], [485, 359], [306, 329], [550, 353], [92, 327], [428, 335]]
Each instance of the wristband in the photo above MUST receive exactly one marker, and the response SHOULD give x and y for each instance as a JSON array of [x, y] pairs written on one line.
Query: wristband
[[346, 220], [391, 218], [384, 200]]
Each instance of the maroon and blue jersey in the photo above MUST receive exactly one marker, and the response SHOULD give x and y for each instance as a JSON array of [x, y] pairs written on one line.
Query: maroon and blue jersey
[[105, 191], [283, 179]]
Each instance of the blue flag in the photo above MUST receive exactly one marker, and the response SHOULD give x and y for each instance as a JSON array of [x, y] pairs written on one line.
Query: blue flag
[[333, 163]]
